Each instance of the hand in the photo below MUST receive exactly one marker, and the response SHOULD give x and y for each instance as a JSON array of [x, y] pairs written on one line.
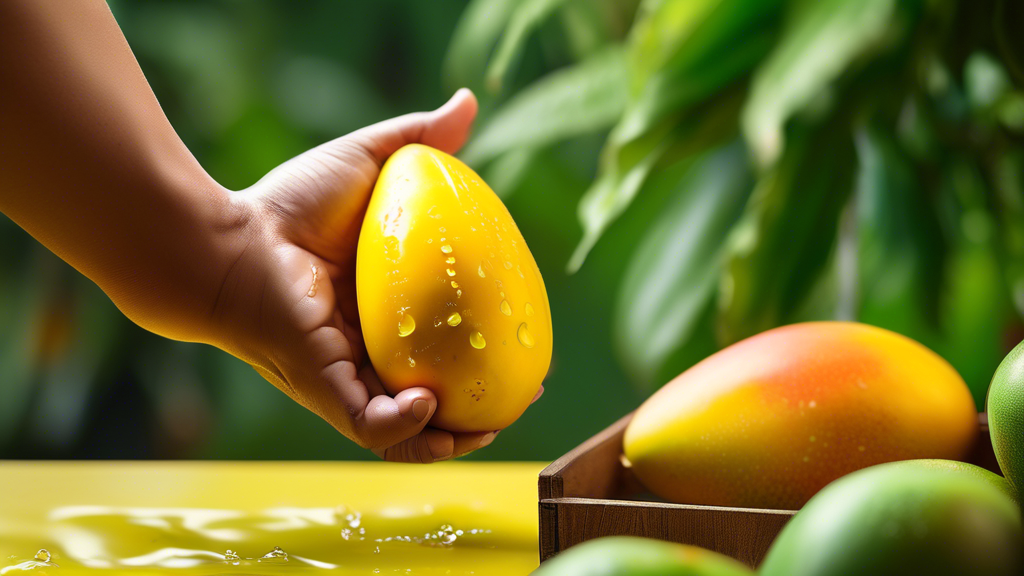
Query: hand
[[288, 304]]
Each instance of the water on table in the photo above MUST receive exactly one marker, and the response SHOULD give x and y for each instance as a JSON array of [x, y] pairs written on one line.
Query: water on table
[[272, 518]]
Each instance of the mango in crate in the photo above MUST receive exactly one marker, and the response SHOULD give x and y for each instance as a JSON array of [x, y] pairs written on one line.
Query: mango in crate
[[1005, 404], [450, 297], [770, 420], [932, 517], [632, 556]]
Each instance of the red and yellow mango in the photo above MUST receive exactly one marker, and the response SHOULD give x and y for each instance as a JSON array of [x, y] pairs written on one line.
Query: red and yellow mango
[[769, 421]]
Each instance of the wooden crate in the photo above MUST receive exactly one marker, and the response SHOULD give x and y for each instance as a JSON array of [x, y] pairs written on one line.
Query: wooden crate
[[588, 493]]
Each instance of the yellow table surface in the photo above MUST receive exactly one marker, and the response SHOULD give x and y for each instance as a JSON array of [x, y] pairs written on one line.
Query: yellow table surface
[[328, 517]]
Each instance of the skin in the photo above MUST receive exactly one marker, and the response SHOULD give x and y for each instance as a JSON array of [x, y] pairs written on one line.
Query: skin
[[91, 167], [769, 421], [633, 556], [934, 517], [1006, 415]]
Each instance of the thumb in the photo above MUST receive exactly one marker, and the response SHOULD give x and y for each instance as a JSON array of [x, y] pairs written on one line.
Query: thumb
[[446, 129]]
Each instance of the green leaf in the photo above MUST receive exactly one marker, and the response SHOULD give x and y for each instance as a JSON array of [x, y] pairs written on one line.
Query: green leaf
[[580, 99], [528, 15], [507, 172], [473, 41], [615, 188], [783, 242], [671, 280], [899, 243], [682, 53], [821, 41], [592, 25], [624, 168]]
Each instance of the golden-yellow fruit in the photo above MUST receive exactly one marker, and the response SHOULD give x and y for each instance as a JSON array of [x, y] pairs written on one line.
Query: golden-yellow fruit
[[769, 421], [450, 297]]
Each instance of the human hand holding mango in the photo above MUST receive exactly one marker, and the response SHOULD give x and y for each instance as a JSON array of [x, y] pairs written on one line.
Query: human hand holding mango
[[267, 274], [288, 306]]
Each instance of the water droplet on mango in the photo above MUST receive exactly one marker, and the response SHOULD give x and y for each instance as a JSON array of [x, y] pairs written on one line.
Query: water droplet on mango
[[455, 319], [529, 309], [525, 338], [450, 272], [407, 325], [505, 308], [476, 339], [447, 249]]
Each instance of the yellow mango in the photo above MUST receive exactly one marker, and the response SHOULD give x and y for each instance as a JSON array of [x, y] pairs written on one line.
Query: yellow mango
[[450, 297]]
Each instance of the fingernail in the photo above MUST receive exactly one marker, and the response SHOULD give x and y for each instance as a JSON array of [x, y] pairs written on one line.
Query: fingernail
[[440, 444], [487, 439], [420, 409]]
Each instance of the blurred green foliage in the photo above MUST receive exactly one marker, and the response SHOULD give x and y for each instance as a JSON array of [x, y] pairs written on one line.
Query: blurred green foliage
[[707, 169], [812, 159]]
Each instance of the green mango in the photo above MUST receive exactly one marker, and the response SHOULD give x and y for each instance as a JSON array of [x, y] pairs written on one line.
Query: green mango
[[934, 517], [632, 556], [1006, 415]]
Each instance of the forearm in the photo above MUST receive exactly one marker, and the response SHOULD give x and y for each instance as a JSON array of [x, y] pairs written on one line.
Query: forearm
[[90, 166]]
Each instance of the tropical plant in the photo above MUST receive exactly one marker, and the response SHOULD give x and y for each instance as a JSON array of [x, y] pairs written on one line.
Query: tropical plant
[[813, 159]]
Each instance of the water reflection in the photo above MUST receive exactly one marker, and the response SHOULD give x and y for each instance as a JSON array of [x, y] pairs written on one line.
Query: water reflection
[[194, 540]]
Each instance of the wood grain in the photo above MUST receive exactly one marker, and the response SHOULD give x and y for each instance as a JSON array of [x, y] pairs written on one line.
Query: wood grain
[[588, 493]]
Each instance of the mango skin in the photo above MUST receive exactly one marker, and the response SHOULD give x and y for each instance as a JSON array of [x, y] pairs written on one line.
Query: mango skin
[[437, 241], [770, 420], [1005, 405], [632, 556], [932, 517]]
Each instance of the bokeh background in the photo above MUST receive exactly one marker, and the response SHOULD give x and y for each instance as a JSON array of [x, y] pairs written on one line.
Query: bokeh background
[[686, 172]]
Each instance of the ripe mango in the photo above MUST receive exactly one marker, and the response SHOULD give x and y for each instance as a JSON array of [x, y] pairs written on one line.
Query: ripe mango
[[450, 297], [1005, 404], [932, 517], [632, 556], [770, 420]]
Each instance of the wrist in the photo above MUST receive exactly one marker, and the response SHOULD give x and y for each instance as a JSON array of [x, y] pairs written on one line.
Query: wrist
[[176, 247]]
